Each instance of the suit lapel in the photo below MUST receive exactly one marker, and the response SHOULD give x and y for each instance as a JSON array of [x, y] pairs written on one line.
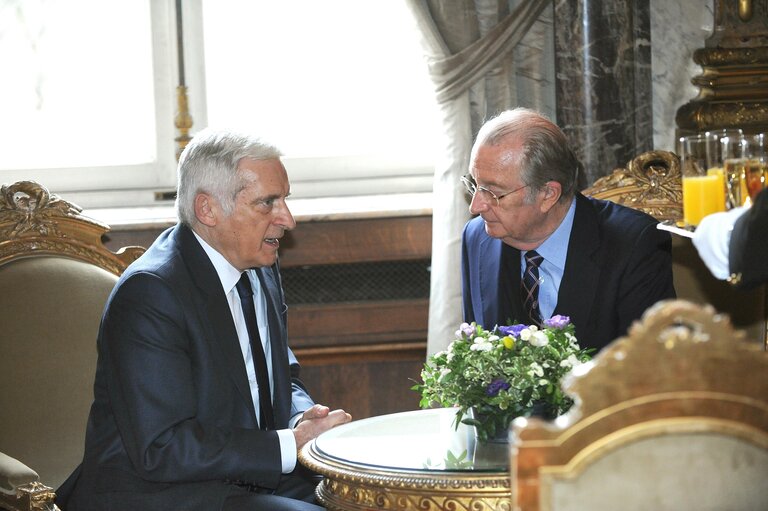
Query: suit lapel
[[497, 287], [488, 280], [514, 304], [220, 328], [582, 267]]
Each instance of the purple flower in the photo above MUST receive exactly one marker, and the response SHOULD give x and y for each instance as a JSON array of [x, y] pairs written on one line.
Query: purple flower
[[496, 386], [513, 330], [466, 329], [558, 321]]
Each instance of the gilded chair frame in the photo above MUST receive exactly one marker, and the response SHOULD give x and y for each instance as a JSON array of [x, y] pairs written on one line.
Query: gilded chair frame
[[34, 222], [682, 369]]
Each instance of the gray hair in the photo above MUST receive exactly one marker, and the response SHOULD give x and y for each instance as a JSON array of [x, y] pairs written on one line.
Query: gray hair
[[546, 154], [209, 164]]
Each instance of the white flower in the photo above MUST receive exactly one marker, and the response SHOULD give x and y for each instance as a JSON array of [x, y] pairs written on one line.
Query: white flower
[[493, 338], [571, 361], [449, 349], [539, 339], [536, 370], [543, 382], [443, 373], [525, 334], [481, 344]]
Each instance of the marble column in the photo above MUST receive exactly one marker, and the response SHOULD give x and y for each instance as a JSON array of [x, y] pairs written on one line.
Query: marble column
[[603, 85]]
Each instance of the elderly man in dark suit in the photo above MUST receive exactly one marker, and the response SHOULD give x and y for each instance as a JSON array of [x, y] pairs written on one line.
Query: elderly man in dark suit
[[198, 405], [539, 248]]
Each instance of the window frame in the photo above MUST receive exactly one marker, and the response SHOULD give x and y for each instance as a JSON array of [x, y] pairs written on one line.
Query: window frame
[[136, 184], [152, 184]]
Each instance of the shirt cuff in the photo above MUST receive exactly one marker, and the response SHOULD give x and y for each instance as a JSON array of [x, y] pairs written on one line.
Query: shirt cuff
[[294, 421], [287, 450]]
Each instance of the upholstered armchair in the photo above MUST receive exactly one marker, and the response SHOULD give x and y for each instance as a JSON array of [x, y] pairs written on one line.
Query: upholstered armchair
[[673, 416], [652, 182], [55, 276]]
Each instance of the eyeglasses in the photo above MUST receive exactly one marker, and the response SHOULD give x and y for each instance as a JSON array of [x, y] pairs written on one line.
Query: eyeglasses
[[473, 188]]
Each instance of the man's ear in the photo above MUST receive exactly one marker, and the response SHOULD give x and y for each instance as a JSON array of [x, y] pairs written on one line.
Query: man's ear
[[552, 192], [205, 209]]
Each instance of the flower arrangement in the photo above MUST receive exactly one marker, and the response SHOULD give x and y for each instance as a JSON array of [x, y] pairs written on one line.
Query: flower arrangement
[[493, 376]]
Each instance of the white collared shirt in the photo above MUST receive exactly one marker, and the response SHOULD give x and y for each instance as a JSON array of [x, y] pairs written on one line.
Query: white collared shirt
[[229, 276]]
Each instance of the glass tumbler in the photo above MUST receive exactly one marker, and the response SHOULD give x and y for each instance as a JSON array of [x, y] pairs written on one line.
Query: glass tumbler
[[703, 181], [756, 167], [734, 155]]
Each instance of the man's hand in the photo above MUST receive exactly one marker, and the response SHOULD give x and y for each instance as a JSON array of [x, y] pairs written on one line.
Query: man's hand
[[316, 420]]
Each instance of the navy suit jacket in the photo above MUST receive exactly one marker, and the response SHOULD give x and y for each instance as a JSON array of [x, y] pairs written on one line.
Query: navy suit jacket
[[173, 419], [618, 264]]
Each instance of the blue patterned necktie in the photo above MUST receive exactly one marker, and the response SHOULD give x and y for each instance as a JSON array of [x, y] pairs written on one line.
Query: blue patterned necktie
[[266, 414], [529, 287]]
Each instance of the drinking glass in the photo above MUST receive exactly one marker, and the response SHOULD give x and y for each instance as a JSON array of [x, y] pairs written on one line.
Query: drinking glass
[[756, 167], [703, 181], [734, 154]]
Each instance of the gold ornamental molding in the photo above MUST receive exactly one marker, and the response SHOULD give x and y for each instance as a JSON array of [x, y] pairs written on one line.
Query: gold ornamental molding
[[32, 220], [355, 487], [731, 56], [651, 183], [682, 368], [704, 116], [733, 87], [33, 496]]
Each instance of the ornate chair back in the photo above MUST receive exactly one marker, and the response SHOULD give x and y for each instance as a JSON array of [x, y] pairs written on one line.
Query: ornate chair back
[[652, 182], [55, 276], [674, 416]]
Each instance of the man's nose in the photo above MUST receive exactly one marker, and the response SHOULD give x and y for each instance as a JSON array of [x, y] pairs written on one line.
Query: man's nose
[[477, 204], [285, 217]]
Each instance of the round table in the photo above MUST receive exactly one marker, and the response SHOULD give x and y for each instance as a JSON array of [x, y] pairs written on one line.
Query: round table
[[409, 461]]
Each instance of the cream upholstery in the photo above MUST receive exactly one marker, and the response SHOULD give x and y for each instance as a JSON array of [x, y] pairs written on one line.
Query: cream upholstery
[[652, 182], [674, 416], [55, 276]]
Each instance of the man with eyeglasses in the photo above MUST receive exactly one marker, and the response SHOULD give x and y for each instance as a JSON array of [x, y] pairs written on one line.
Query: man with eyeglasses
[[538, 247]]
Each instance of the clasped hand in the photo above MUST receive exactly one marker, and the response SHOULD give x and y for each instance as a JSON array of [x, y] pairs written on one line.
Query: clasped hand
[[316, 420]]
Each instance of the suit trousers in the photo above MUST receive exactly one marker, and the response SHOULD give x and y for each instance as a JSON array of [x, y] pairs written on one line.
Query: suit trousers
[[296, 492]]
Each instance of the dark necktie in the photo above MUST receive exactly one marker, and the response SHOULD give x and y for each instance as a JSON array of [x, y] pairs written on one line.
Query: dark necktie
[[530, 286], [266, 416]]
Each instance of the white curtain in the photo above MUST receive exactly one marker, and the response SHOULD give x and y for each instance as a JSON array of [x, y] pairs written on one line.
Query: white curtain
[[479, 68]]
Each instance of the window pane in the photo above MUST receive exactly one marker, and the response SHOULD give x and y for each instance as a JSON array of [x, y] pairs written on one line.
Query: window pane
[[77, 85], [322, 79]]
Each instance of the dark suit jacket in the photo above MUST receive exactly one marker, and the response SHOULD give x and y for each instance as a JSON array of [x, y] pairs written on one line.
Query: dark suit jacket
[[748, 249], [173, 419], [618, 264]]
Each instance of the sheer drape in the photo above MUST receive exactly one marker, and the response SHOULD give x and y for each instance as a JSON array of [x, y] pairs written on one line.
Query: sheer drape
[[479, 67]]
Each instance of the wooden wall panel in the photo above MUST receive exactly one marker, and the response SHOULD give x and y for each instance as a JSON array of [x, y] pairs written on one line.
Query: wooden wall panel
[[357, 240], [365, 388]]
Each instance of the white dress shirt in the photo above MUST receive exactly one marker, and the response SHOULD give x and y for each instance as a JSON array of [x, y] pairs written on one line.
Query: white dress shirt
[[229, 276]]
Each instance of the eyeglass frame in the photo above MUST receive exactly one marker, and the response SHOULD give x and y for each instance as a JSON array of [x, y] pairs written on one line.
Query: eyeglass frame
[[472, 188]]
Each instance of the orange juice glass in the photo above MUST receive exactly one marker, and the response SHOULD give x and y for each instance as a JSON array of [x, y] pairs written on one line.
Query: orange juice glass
[[702, 195]]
